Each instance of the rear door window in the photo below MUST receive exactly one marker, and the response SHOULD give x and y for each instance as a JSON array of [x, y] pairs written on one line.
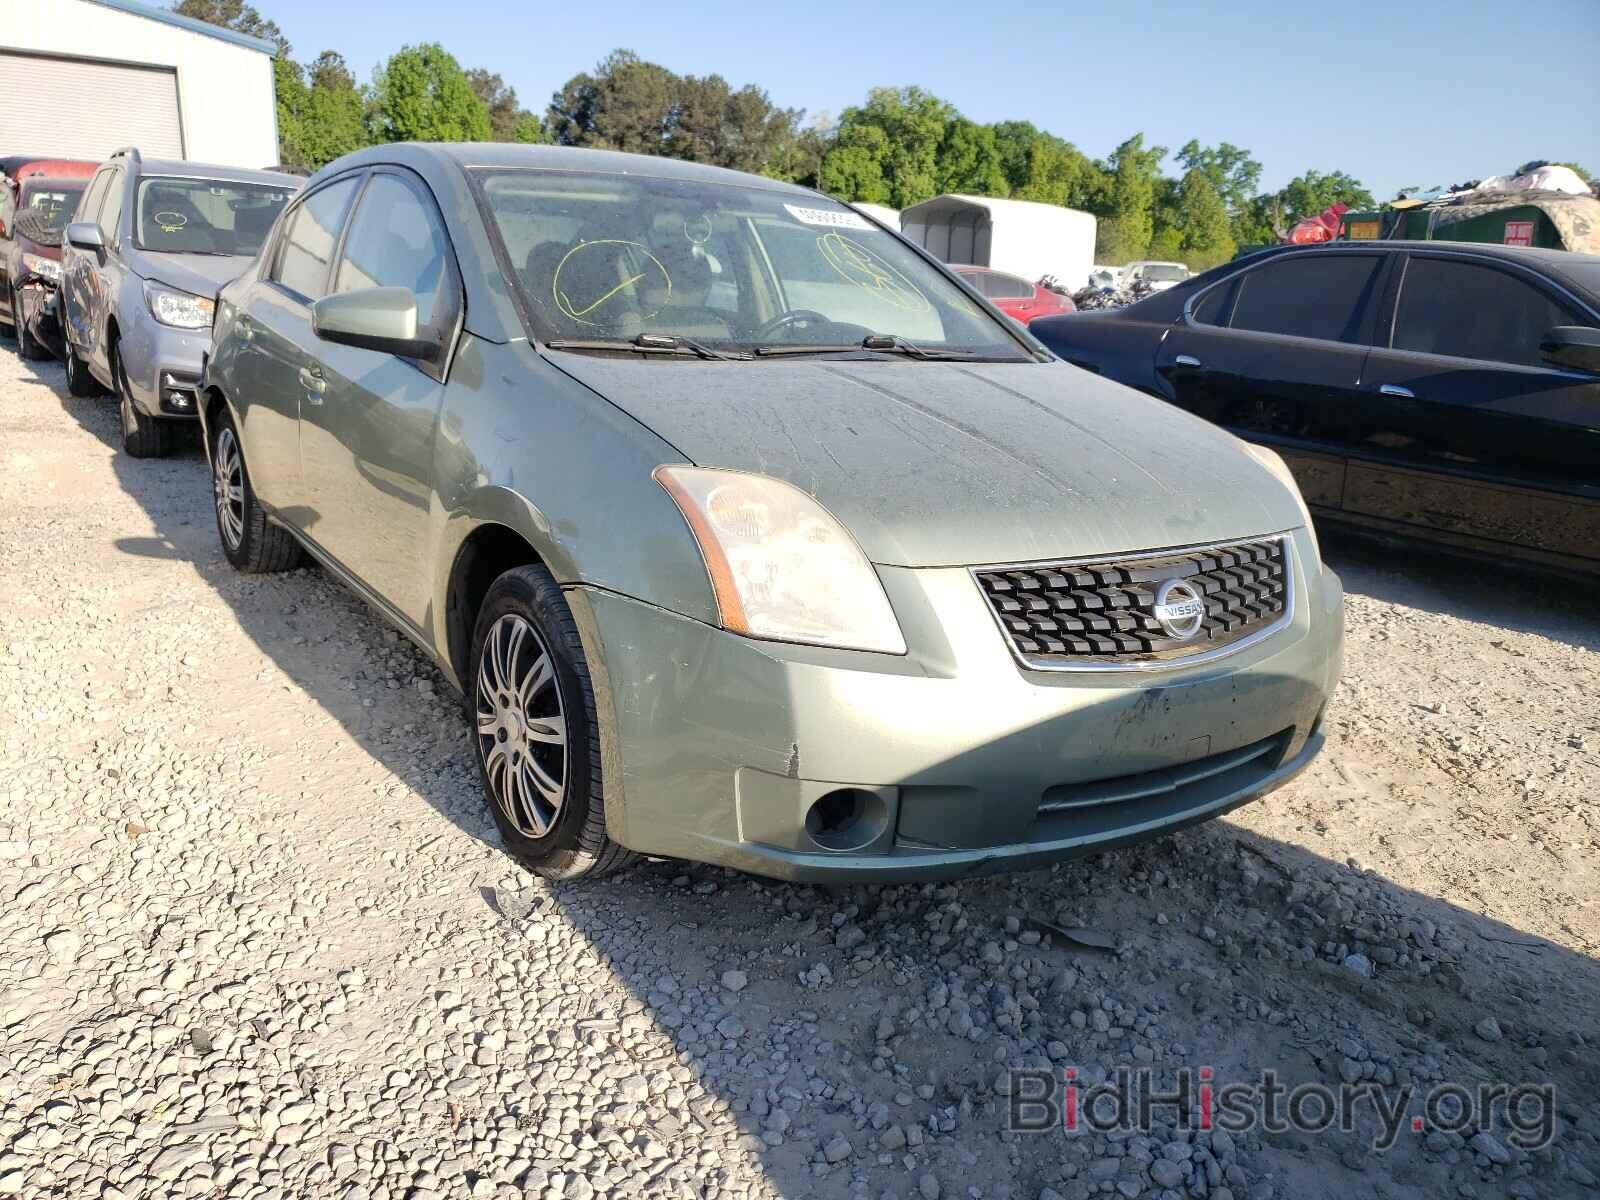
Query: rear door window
[[396, 240], [309, 240], [1009, 287], [111, 211], [1310, 296], [1469, 310]]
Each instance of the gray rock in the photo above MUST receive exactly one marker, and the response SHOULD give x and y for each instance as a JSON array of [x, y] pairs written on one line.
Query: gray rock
[[838, 1149], [1486, 1144], [1488, 1029]]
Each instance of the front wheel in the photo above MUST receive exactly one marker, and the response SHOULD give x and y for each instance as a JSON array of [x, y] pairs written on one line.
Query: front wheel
[[143, 436], [251, 543], [532, 709], [28, 346]]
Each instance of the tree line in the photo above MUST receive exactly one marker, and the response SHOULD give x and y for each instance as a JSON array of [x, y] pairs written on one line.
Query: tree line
[[1197, 204]]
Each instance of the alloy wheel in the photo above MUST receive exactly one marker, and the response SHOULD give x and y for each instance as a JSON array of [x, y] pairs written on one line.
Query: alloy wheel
[[227, 484], [521, 725]]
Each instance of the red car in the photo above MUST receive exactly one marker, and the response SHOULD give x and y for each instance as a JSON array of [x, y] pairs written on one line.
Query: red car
[[1015, 296], [37, 199]]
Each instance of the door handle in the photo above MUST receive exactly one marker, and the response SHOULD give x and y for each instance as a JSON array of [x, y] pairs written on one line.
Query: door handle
[[311, 379], [1394, 389], [1186, 360]]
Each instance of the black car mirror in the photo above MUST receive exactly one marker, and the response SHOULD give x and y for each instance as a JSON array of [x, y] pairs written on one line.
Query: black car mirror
[[382, 319], [1576, 347], [86, 235]]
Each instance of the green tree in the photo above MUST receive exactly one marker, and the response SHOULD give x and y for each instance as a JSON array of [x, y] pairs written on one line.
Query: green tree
[[912, 123], [742, 130], [237, 16], [333, 122], [508, 120], [421, 94], [1233, 174], [1042, 167], [855, 167], [625, 104], [293, 100], [1129, 221], [1309, 194], [969, 160], [1206, 236]]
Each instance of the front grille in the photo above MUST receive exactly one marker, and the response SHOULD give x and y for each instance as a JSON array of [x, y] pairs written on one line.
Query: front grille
[[1093, 615]]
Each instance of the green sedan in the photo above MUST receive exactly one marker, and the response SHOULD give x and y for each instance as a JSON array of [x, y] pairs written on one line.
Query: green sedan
[[748, 532]]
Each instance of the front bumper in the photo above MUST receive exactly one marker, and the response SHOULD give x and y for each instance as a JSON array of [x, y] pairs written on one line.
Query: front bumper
[[960, 760], [163, 366]]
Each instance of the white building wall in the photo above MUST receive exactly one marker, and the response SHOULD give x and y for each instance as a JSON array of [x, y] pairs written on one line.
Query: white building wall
[[225, 95]]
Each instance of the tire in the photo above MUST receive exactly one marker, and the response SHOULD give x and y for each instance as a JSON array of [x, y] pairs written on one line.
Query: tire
[[253, 544], [143, 436], [526, 633], [80, 382], [28, 347]]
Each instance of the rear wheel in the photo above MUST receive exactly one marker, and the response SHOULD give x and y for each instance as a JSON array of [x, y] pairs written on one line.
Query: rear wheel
[[532, 708], [251, 543], [143, 436], [79, 381]]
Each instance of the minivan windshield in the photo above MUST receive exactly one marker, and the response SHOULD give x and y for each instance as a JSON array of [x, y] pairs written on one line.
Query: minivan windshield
[[205, 216], [611, 258]]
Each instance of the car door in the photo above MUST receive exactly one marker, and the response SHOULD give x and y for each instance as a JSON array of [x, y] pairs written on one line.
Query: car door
[[107, 274], [275, 366], [367, 438], [78, 269], [1275, 355], [1484, 437]]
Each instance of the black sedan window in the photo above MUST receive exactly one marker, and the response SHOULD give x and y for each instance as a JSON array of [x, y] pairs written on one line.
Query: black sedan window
[[1310, 296], [1465, 310]]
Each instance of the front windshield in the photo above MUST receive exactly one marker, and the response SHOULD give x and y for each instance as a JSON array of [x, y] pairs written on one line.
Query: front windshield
[[205, 216], [54, 202], [1166, 273], [609, 257]]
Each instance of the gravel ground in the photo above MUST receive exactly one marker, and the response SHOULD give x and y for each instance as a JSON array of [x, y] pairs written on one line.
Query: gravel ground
[[256, 938]]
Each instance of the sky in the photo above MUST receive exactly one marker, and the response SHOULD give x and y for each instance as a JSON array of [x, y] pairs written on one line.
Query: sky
[[1395, 94]]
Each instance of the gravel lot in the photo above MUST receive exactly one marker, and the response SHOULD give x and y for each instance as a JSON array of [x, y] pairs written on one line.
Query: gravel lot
[[256, 939]]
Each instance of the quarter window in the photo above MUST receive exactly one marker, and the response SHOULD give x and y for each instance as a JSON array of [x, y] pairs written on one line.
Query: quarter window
[[309, 239], [1311, 295], [396, 241], [1469, 311]]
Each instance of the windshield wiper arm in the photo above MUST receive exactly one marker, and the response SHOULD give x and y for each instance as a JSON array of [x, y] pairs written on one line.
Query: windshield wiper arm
[[648, 343], [883, 343]]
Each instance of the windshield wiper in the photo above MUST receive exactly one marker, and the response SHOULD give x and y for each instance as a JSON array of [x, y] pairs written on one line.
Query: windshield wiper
[[648, 343], [882, 343]]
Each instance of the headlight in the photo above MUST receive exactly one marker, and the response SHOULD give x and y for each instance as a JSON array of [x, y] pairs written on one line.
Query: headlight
[[44, 268], [781, 566], [1273, 461], [176, 308]]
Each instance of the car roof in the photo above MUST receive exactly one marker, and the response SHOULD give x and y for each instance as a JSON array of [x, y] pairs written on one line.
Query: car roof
[[1545, 256], [557, 158], [195, 170]]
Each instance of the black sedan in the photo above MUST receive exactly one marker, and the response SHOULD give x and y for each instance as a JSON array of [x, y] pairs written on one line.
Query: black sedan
[[1445, 391]]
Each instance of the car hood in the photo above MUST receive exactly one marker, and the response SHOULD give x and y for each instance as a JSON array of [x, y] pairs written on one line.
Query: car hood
[[944, 464], [201, 274]]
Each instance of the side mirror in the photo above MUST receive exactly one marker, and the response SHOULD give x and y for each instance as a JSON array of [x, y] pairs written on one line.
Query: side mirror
[[382, 319], [86, 235], [1576, 347]]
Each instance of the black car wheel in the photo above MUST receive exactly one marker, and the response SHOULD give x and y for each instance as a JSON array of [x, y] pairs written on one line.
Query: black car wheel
[[531, 705], [80, 382], [143, 436], [28, 346], [251, 543]]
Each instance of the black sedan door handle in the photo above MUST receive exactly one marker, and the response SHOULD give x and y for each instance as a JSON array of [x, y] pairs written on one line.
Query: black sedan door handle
[[1395, 390], [1186, 360]]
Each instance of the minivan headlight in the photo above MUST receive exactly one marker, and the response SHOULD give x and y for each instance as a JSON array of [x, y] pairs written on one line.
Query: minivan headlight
[[781, 565], [179, 309], [1273, 461]]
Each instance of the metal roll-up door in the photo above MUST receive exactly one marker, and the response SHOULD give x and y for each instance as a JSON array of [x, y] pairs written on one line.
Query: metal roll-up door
[[77, 108]]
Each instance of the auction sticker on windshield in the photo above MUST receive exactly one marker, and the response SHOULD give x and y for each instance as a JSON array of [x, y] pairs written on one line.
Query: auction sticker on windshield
[[837, 218]]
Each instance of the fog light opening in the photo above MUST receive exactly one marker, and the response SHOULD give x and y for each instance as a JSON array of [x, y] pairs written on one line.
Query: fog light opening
[[846, 819]]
